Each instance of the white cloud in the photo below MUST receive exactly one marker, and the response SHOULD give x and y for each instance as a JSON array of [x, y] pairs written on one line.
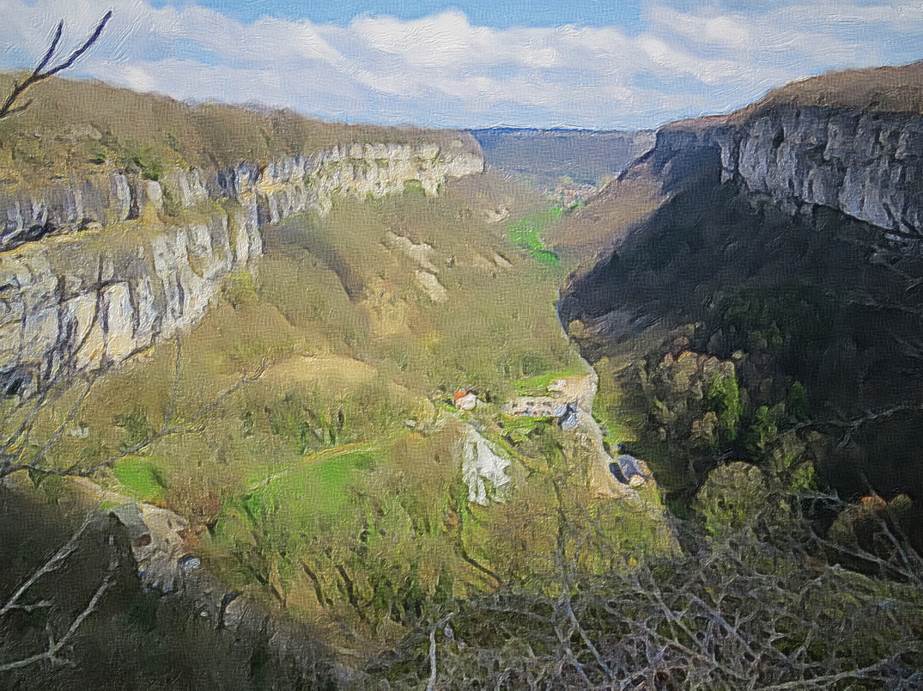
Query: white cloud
[[443, 70]]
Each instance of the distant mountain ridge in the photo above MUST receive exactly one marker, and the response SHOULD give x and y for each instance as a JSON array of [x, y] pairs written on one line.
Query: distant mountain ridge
[[545, 156]]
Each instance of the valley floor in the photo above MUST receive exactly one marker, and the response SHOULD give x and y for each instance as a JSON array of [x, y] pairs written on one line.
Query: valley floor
[[306, 427]]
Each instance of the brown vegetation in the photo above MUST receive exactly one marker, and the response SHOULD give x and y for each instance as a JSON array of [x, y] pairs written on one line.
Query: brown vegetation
[[765, 605], [879, 89]]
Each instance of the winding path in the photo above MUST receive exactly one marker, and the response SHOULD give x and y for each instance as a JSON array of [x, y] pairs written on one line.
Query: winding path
[[584, 392]]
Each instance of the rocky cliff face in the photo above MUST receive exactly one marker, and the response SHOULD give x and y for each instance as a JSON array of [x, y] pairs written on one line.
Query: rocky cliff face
[[268, 193], [93, 271], [868, 165], [787, 241], [159, 550]]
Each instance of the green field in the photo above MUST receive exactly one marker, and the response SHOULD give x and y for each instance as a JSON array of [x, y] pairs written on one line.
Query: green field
[[538, 384], [316, 490], [141, 478], [527, 233]]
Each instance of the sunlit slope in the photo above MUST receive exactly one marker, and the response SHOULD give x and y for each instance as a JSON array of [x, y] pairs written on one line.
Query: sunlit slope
[[306, 426], [59, 137]]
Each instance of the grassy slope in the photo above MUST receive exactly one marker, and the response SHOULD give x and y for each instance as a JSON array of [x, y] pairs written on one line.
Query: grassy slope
[[527, 233], [608, 217], [880, 89], [59, 137], [316, 451]]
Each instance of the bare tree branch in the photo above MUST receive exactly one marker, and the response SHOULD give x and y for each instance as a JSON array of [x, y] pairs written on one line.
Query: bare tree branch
[[42, 71], [53, 563], [58, 645], [753, 610]]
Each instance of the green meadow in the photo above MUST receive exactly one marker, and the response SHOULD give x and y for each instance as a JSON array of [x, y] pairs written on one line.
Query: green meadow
[[527, 233]]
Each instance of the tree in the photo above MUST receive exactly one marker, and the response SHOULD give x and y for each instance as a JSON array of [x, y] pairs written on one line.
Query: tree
[[58, 643], [732, 495], [46, 69], [768, 606]]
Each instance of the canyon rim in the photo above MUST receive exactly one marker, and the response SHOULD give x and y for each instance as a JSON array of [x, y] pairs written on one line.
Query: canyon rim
[[494, 345]]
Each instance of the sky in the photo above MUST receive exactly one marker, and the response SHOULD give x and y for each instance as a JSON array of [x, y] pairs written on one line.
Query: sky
[[607, 64]]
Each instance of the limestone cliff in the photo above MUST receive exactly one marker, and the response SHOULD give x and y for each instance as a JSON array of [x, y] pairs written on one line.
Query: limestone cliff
[[94, 270], [865, 164], [780, 163], [786, 239], [268, 193]]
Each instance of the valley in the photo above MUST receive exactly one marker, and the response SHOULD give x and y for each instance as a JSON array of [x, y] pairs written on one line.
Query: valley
[[363, 406], [304, 436]]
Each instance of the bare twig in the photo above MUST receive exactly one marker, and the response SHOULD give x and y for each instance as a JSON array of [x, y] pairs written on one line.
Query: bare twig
[[747, 612], [57, 645], [42, 71], [52, 564]]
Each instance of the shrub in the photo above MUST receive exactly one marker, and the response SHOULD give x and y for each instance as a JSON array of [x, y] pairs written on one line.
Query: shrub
[[199, 492], [730, 498], [761, 608], [724, 399], [414, 188], [291, 418], [144, 160], [240, 289], [796, 402], [764, 428], [137, 429]]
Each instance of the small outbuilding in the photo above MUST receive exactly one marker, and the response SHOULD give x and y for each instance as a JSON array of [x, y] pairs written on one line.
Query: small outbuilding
[[465, 399]]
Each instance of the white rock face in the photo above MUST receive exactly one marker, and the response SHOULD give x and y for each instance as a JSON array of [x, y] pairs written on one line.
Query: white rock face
[[73, 305], [431, 286], [421, 253], [269, 193], [483, 470], [302, 183], [866, 165]]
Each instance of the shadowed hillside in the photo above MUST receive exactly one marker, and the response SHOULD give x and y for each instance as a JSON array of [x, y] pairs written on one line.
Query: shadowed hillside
[[767, 252]]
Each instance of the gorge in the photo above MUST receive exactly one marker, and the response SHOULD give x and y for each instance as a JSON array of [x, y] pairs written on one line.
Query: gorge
[[312, 384], [85, 301]]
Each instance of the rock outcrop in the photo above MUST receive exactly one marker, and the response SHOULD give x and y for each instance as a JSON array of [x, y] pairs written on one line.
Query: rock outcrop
[[158, 541], [868, 165], [484, 471], [84, 302], [94, 271]]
